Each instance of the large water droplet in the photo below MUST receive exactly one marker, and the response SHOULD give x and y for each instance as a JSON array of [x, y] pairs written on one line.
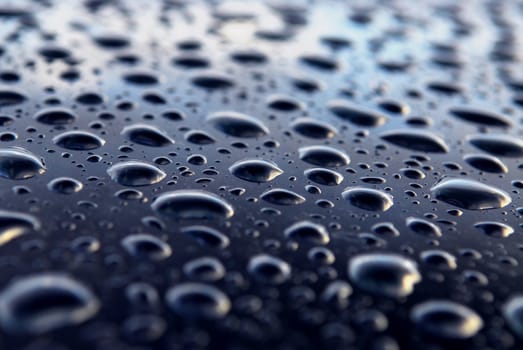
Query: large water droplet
[[355, 114], [255, 170], [282, 196], [41, 303], [198, 301], [416, 140], [192, 204], [368, 199], [307, 231], [470, 194], [323, 156], [480, 117], [135, 173], [146, 135], [388, 275], [446, 319], [78, 140], [14, 224], [55, 116], [237, 124], [18, 163], [498, 144], [269, 269]]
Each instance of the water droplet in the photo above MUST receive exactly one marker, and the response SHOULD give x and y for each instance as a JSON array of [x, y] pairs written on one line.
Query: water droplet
[[356, 114], [192, 204], [14, 224], [41, 303], [55, 116], [446, 319], [470, 194], [255, 170], [237, 124], [18, 163], [323, 176], [146, 135], [387, 275], [480, 117], [486, 163], [416, 140], [282, 196], [423, 227], [307, 231], [135, 173], [78, 140], [65, 185], [368, 199], [269, 269], [494, 229], [323, 156], [207, 236], [198, 301], [497, 144], [146, 246]]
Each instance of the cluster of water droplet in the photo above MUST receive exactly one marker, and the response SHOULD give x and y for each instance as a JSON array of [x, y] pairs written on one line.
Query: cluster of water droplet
[[288, 174]]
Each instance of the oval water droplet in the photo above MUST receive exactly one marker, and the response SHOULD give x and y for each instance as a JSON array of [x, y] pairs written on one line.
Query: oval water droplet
[[192, 204], [323, 176], [65, 185], [307, 231], [387, 275], [198, 301], [146, 246], [146, 135], [135, 173], [17, 163], [416, 140], [269, 269], [55, 116], [356, 114], [470, 194], [323, 156], [280, 196], [78, 140], [480, 117], [14, 224], [368, 199], [237, 124], [41, 303], [498, 144], [446, 319], [255, 170]]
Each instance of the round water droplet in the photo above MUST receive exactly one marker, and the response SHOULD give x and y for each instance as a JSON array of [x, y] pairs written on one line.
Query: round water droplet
[[387, 275], [135, 173], [446, 319], [470, 194], [192, 204], [368, 199], [40, 303], [513, 314]]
